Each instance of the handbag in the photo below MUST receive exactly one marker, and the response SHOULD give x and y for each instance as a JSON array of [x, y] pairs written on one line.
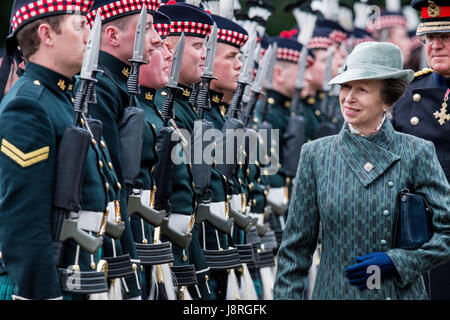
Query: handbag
[[413, 224]]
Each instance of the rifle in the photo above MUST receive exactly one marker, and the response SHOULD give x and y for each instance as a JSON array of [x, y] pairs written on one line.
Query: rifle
[[233, 123], [257, 87], [327, 107], [131, 132], [163, 173], [294, 136], [71, 161], [202, 171]]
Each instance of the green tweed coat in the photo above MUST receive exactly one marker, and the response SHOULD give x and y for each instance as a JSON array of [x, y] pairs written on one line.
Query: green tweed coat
[[356, 204]]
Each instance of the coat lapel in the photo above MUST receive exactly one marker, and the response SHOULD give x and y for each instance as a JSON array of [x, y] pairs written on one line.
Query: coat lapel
[[368, 157]]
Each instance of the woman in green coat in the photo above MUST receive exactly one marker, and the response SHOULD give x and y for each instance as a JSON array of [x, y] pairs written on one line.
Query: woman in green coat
[[350, 184]]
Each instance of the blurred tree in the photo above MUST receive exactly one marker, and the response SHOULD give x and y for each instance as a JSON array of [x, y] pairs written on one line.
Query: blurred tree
[[5, 12]]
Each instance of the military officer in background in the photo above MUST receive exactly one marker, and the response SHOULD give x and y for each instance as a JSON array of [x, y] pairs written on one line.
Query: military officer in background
[[326, 34], [118, 34], [34, 116], [422, 111], [196, 25]]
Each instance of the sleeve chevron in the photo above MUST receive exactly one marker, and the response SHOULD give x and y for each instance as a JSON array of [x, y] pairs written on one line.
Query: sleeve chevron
[[21, 158]]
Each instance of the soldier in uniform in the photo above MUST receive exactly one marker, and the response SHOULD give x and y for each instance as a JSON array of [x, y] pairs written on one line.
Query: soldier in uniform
[[391, 27], [196, 25], [34, 116], [422, 111], [326, 34], [118, 33]]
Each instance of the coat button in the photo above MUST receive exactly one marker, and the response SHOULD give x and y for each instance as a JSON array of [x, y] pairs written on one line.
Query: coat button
[[386, 212], [390, 184], [417, 97], [414, 121], [383, 242]]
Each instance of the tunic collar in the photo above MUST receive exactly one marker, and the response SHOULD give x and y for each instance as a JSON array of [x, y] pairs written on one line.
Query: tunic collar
[[117, 67], [441, 81], [51, 79], [368, 157]]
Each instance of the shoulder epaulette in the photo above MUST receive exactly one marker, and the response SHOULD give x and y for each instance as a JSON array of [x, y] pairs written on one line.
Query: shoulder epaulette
[[423, 72]]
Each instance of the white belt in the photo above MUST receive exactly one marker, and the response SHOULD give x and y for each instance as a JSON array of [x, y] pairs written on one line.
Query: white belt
[[260, 217], [218, 208], [277, 196], [92, 220], [181, 222], [236, 203]]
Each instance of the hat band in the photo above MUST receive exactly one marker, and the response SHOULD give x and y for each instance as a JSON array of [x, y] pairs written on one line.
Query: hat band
[[36, 9], [233, 37], [163, 29], [370, 67], [120, 8], [190, 28], [445, 13]]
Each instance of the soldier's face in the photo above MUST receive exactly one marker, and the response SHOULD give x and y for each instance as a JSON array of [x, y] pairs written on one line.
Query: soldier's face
[[193, 61], [70, 44], [314, 74], [227, 66], [438, 56], [125, 38], [155, 74], [399, 36], [361, 104], [338, 60]]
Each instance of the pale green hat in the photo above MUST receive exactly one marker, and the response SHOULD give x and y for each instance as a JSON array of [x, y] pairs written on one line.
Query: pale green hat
[[374, 61]]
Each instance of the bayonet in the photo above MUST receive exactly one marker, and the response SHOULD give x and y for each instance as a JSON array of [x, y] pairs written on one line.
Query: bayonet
[[244, 76], [257, 86], [172, 86], [203, 92], [138, 55], [268, 82]]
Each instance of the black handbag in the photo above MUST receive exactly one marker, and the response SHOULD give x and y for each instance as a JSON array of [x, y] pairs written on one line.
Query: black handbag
[[413, 224]]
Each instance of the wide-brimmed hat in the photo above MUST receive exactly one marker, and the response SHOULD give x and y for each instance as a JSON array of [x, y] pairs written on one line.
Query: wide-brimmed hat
[[374, 61]]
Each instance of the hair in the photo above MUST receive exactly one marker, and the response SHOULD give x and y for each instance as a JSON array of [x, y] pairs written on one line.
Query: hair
[[392, 90], [27, 36], [120, 23]]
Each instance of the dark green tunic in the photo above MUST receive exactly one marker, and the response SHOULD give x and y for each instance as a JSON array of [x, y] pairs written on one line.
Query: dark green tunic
[[33, 117]]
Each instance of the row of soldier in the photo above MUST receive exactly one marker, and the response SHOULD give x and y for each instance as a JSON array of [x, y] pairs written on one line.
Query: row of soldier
[[122, 220]]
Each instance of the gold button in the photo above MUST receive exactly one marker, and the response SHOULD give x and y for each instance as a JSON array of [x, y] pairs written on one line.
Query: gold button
[[368, 167], [107, 186], [1, 255], [144, 241], [414, 121], [184, 258], [100, 164], [92, 265], [135, 266], [75, 267], [287, 104], [103, 144], [36, 82], [93, 141], [311, 100], [206, 278], [417, 97], [164, 93], [271, 100], [317, 112], [110, 165], [119, 186]]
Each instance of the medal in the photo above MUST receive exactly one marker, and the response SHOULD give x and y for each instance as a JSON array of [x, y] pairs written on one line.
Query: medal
[[442, 114]]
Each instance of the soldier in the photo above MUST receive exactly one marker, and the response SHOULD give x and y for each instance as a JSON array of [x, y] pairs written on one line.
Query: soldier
[[327, 34], [422, 111], [196, 24], [35, 114], [119, 23], [391, 27]]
